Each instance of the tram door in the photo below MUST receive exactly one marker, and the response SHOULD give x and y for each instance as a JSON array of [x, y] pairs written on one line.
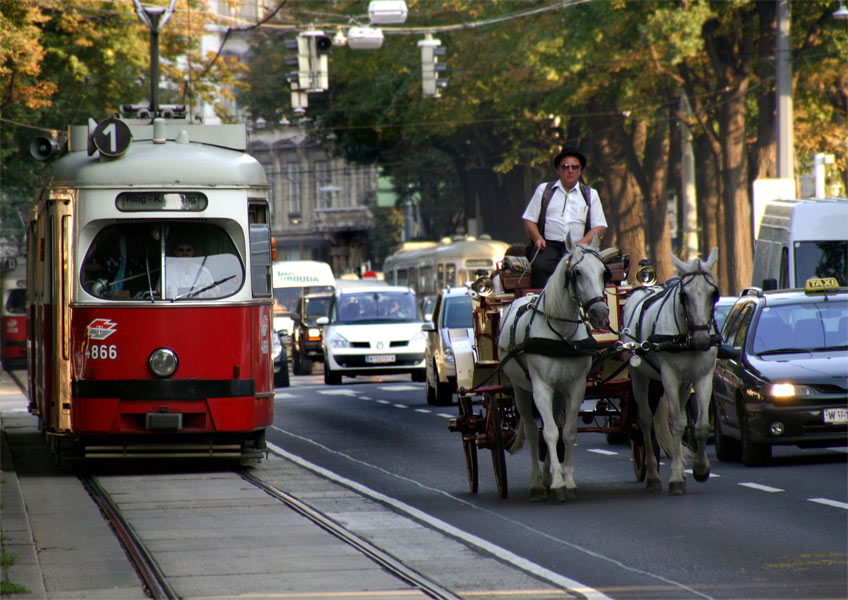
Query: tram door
[[49, 287]]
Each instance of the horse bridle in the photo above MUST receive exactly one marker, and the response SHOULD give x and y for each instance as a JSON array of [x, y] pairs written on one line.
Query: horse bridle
[[569, 270], [686, 278]]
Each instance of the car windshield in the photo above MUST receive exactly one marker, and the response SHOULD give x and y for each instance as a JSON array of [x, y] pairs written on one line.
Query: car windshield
[[316, 307], [376, 307], [457, 313], [812, 326]]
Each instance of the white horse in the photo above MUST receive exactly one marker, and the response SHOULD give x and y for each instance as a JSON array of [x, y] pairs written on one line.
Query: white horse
[[677, 322], [547, 348]]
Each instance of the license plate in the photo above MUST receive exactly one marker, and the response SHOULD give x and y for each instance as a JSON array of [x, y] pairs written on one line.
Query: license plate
[[380, 358], [836, 415]]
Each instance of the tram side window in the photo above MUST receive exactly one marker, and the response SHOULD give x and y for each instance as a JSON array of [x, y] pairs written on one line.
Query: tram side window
[[125, 262], [16, 302], [260, 250]]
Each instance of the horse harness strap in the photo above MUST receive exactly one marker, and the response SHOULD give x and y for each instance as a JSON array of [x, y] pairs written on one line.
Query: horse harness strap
[[546, 199]]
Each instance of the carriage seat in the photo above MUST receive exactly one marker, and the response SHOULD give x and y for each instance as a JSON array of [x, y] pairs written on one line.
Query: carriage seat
[[617, 263], [514, 272]]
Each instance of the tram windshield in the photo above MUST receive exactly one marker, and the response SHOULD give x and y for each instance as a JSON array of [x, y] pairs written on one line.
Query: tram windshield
[[126, 260]]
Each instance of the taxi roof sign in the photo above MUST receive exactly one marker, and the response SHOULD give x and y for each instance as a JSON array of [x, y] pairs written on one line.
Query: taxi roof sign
[[821, 284]]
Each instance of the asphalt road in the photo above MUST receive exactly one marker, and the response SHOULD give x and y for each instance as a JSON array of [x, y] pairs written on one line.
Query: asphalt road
[[778, 531]]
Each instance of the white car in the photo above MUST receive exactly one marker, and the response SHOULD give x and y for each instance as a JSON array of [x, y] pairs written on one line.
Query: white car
[[452, 310], [373, 330]]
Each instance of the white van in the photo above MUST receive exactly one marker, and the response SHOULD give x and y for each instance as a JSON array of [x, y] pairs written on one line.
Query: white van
[[799, 239], [291, 278]]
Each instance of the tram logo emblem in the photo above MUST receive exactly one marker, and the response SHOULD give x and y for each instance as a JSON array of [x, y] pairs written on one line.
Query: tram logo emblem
[[100, 329]]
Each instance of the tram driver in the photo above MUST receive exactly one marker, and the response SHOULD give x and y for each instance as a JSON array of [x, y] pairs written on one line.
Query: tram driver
[[187, 275], [557, 208]]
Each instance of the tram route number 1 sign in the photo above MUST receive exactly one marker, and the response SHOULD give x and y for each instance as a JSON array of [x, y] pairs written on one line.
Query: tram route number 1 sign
[[111, 137]]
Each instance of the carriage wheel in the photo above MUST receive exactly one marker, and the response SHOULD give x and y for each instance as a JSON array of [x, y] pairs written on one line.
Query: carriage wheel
[[498, 456], [469, 445]]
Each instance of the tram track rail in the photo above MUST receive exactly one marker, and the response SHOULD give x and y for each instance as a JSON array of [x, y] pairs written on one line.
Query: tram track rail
[[147, 567], [156, 581], [384, 559]]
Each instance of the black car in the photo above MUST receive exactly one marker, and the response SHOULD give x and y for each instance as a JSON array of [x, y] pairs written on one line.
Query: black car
[[306, 335], [782, 373]]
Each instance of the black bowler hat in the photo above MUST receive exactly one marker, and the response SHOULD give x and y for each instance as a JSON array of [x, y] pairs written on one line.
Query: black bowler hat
[[570, 152]]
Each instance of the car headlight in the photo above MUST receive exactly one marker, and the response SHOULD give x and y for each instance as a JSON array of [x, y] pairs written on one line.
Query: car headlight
[[789, 390], [448, 354], [339, 341], [276, 346], [313, 333], [163, 362]]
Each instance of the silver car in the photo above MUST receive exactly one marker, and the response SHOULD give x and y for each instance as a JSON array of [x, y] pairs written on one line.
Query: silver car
[[452, 310]]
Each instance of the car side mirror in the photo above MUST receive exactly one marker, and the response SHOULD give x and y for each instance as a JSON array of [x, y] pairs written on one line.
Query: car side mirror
[[726, 352], [428, 326], [295, 316], [322, 321]]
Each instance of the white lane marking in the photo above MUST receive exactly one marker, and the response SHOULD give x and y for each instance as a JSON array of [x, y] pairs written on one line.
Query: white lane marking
[[285, 395], [399, 388], [827, 502], [600, 451], [569, 584], [337, 392], [366, 397], [423, 410], [758, 486], [506, 555], [400, 405], [445, 415], [383, 402]]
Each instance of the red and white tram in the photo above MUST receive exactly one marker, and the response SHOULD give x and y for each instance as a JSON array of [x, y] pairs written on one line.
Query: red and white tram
[[121, 365], [13, 315]]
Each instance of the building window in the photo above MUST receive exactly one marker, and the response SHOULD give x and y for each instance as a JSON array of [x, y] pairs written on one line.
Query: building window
[[295, 193], [323, 183]]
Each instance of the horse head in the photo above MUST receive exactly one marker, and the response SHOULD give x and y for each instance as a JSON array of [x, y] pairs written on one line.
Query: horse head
[[698, 296], [582, 275]]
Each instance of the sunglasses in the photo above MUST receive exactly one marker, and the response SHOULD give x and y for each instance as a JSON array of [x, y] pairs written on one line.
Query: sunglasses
[[570, 167], [185, 249]]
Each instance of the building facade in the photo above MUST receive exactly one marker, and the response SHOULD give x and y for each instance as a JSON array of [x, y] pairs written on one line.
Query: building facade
[[321, 206]]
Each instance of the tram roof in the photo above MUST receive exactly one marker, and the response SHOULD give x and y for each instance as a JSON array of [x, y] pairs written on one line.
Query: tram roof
[[172, 163]]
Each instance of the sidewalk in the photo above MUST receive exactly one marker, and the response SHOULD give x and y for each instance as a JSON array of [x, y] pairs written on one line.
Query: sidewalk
[[63, 547]]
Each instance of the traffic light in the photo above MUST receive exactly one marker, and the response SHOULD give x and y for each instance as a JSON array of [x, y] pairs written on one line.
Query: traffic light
[[312, 74], [431, 83], [301, 77]]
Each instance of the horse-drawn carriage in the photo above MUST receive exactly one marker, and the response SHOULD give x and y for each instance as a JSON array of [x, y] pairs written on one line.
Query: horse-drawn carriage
[[565, 356]]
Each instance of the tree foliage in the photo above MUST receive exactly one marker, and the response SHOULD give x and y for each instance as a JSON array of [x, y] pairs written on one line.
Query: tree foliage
[[605, 76]]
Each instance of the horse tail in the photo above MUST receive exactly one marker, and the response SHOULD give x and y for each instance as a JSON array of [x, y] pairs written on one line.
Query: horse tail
[[663, 432], [518, 439]]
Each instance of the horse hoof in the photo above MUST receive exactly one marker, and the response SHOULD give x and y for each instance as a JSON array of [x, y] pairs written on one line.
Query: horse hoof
[[565, 494], [538, 494], [653, 485], [701, 475], [677, 488]]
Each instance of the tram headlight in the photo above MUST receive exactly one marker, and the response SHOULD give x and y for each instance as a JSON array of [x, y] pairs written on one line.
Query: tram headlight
[[163, 362]]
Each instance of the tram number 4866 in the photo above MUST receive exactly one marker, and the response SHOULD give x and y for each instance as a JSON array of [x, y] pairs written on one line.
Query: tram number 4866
[[103, 351]]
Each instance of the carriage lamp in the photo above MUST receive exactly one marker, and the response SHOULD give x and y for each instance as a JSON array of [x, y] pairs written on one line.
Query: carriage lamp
[[483, 285], [163, 362], [646, 275]]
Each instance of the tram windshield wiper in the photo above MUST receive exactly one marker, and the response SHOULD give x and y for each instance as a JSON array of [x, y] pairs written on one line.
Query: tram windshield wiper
[[189, 294]]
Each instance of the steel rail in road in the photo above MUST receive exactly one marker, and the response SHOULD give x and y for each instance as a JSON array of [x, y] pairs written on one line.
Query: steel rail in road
[[384, 559], [153, 577]]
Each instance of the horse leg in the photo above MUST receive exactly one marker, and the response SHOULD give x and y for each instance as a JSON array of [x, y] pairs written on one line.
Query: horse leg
[[675, 393], [703, 391], [524, 404], [543, 398], [640, 382], [574, 396]]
